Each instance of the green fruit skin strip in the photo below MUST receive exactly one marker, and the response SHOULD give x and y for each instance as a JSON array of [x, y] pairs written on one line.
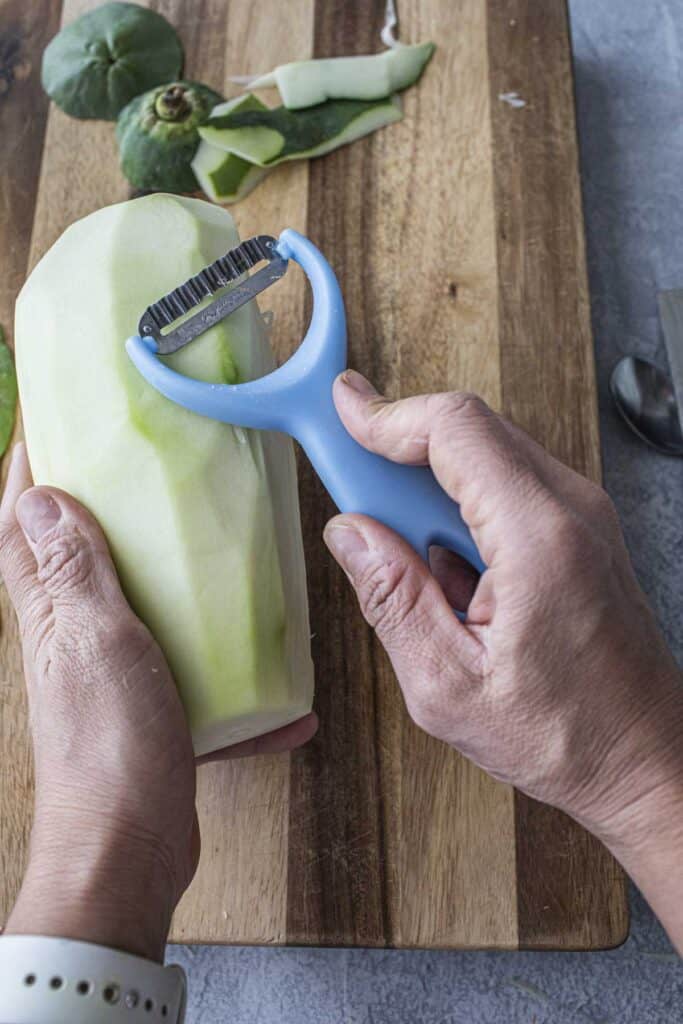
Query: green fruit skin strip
[[305, 83], [231, 174], [301, 133], [8, 394], [227, 177], [231, 179]]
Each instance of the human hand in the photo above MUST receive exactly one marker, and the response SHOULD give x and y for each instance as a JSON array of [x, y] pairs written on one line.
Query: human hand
[[559, 681], [115, 838]]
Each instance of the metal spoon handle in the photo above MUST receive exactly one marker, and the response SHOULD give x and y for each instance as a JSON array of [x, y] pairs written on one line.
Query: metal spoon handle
[[671, 313]]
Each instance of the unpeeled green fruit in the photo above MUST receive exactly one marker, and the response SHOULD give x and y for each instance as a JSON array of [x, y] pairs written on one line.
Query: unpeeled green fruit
[[158, 135], [99, 62]]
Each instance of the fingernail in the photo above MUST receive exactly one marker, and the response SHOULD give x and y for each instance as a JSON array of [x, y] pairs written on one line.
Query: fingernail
[[37, 513], [357, 382], [346, 544]]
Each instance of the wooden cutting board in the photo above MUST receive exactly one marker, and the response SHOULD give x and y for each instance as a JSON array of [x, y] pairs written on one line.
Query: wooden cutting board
[[458, 240]]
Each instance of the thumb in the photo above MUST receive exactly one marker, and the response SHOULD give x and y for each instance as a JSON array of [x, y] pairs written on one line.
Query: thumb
[[406, 607], [73, 564]]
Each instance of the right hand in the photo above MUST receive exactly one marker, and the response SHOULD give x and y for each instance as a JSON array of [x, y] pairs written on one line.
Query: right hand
[[559, 681]]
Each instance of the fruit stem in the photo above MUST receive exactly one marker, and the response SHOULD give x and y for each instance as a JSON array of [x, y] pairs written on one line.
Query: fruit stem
[[172, 105]]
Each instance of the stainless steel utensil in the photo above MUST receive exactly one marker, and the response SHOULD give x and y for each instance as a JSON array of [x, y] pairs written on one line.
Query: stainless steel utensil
[[645, 397]]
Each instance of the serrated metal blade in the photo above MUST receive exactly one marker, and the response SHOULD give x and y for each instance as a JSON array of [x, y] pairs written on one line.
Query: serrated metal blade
[[163, 313]]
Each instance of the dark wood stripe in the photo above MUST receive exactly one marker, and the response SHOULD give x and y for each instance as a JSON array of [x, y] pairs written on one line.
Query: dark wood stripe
[[25, 29], [336, 883], [570, 891]]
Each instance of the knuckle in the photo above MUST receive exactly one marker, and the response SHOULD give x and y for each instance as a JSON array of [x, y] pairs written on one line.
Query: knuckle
[[110, 641], [389, 595], [602, 505], [378, 422], [443, 691], [491, 467], [521, 484], [431, 703], [581, 544], [460, 407], [128, 636], [131, 648], [65, 564], [559, 529], [400, 429], [425, 709], [568, 542]]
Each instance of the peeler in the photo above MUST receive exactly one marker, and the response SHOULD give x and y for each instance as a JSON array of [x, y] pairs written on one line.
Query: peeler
[[296, 398]]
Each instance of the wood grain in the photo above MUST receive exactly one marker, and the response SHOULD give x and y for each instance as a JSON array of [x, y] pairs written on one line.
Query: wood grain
[[457, 237], [24, 31], [570, 891], [448, 341], [337, 884], [399, 876], [240, 891]]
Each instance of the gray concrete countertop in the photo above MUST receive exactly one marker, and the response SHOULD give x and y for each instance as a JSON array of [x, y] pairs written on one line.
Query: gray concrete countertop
[[629, 84]]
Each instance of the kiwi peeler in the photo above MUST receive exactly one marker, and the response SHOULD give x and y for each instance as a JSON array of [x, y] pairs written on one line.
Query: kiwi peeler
[[296, 398]]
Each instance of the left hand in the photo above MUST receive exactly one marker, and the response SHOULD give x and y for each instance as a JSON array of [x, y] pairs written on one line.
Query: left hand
[[115, 838]]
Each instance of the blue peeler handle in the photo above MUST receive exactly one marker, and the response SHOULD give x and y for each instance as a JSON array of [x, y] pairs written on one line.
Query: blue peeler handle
[[297, 399]]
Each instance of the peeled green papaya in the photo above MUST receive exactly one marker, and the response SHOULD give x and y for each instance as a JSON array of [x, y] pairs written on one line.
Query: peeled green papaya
[[158, 137], [202, 518], [95, 65]]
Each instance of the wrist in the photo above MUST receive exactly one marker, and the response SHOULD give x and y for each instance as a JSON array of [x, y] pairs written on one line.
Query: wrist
[[650, 831], [639, 815], [637, 810], [648, 843], [104, 888], [642, 774]]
